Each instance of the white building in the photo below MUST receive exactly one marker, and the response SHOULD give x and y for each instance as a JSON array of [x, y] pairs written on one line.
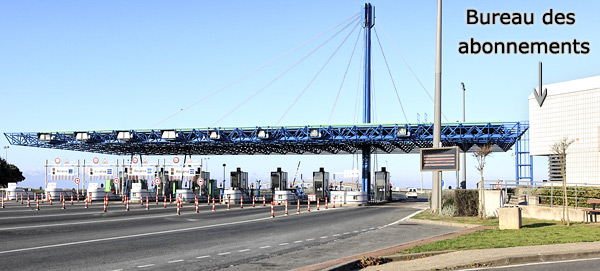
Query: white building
[[572, 110]]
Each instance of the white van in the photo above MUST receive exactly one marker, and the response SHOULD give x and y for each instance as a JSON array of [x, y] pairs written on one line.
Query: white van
[[411, 193]]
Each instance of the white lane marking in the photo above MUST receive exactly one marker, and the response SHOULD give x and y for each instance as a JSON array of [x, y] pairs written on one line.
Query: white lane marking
[[354, 231], [363, 230], [407, 217], [323, 237], [284, 244], [530, 264], [371, 228], [346, 232], [175, 261], [265, 247], [299, 241], [117, 270], [85, 222], [202, 257], [148, 265], [244, 250], [224, 253], [336, 235], [134, 235]]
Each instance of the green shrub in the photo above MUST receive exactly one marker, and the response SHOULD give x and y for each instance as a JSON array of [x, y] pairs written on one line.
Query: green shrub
[[466, 202]]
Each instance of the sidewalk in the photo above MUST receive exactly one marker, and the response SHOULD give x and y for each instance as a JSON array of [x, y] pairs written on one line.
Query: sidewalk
[[496, 257]]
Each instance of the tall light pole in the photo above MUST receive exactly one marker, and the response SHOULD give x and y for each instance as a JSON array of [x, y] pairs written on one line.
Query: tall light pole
[[464, 154], [6, 153], [224, 165], [436, 192]]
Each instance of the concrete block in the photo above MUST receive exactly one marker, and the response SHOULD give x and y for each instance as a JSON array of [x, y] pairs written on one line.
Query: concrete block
[[510, 218]]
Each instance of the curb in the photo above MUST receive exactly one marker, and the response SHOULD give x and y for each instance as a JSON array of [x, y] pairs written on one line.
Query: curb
[[532, 259], [443, 223]]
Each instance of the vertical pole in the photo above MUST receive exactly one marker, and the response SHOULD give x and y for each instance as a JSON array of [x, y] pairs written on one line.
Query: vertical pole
[[366, 149], [464, 154], [437, 116], [46, 176]]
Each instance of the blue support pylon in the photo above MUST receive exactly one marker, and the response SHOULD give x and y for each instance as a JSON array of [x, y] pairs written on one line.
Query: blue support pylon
[[366, 149]]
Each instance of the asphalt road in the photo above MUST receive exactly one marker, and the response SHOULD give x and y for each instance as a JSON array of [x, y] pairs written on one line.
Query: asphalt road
[[237, 239]]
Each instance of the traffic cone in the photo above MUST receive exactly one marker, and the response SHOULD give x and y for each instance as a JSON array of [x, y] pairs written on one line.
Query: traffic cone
[[197, 211], [21, 197], [86, 204], [208, 200], [50, 199]]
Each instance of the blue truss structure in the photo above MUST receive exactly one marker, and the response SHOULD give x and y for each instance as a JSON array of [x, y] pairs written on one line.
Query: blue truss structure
[[322, 139]]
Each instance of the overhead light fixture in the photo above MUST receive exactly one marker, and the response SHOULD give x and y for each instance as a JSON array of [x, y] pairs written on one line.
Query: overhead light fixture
[[314, 133], [214, 135], [402, 131], [263, 134], [81, 136], [124, 135], [44, 137], [169, 134]]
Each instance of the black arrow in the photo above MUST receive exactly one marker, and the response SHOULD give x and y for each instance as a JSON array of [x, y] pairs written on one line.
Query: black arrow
[[543, 93]]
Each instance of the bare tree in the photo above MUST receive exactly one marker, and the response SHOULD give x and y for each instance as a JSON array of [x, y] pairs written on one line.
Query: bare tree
[[480, 155], [560, 150]]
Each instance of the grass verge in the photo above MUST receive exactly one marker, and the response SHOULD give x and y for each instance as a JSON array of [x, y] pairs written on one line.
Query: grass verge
[[533, 232]]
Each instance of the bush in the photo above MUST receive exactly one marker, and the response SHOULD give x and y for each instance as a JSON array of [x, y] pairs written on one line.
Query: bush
[[466, 202]]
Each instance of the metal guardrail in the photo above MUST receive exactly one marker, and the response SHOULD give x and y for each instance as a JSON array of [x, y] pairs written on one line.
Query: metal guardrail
[[545, 193]]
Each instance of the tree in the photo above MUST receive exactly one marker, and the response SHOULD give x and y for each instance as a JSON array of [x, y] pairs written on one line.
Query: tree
[[9, 173], [480, 155], [560, 150]]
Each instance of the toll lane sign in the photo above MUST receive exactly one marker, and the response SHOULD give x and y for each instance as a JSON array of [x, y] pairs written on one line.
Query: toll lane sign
[[439, 159]]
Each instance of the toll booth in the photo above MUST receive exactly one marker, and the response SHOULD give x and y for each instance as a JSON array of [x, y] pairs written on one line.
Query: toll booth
[[321, 183], [212, 188], [239, 179], [279, 180], [204, 188], [382, 185]]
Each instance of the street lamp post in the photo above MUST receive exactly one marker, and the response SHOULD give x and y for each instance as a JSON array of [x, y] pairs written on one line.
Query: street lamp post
[[464, 154], [224, 165], [6, 153]]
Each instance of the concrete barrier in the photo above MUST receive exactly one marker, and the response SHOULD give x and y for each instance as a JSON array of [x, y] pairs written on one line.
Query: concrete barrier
[[509, 218]]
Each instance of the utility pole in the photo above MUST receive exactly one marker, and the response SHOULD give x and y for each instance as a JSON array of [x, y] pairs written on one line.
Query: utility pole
[[436, 191]]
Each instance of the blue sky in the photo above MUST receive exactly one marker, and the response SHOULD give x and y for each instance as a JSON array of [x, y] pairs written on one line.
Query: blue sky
[[96, 65]]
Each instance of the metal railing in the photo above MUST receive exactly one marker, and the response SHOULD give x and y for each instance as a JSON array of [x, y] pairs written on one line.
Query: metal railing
[[544, 193]]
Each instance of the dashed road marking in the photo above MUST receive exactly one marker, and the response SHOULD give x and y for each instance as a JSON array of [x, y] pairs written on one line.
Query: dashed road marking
[[346, 232], [224, 253], [354, 231], [336, 235], [143, 266], [323, 237], [265, 247], [299, 241], [283, 244], [244, 250], [363, 230], [175, 261], [371, 228], [202, 257], [311, 239]]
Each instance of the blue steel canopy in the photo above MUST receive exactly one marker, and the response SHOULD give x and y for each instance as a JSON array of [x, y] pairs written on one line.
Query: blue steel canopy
[[322, 139]]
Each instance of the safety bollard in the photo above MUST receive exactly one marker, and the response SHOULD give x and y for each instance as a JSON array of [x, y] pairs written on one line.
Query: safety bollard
[[142, 200], [3, 202], [63, 204], [272, 211], [298, 206], [86, 203], [105, 205], [21, 197], [156, 198], [333, 201], [242, 202], [208, 200], [318, 204], [220, 199], [286, 209], [341, 201], [325, 203], [147, 205], [178, 211], [28, 202], [50, 198], [37, 204], [308, 205], [253, 199], [264, 199], [228, 199], [126, 203], [165, 201], [196, 202], [213, 209], [78, 197], [71, 198], [170, 198]]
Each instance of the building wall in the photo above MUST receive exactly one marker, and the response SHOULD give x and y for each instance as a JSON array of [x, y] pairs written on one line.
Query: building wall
[[571, 109]]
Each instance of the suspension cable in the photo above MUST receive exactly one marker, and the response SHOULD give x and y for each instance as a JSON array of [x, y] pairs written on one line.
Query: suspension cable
[[344, 78], [283, 73], [358, 86], [256, 70], [317, 74], [406, 63], [391, 77]]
